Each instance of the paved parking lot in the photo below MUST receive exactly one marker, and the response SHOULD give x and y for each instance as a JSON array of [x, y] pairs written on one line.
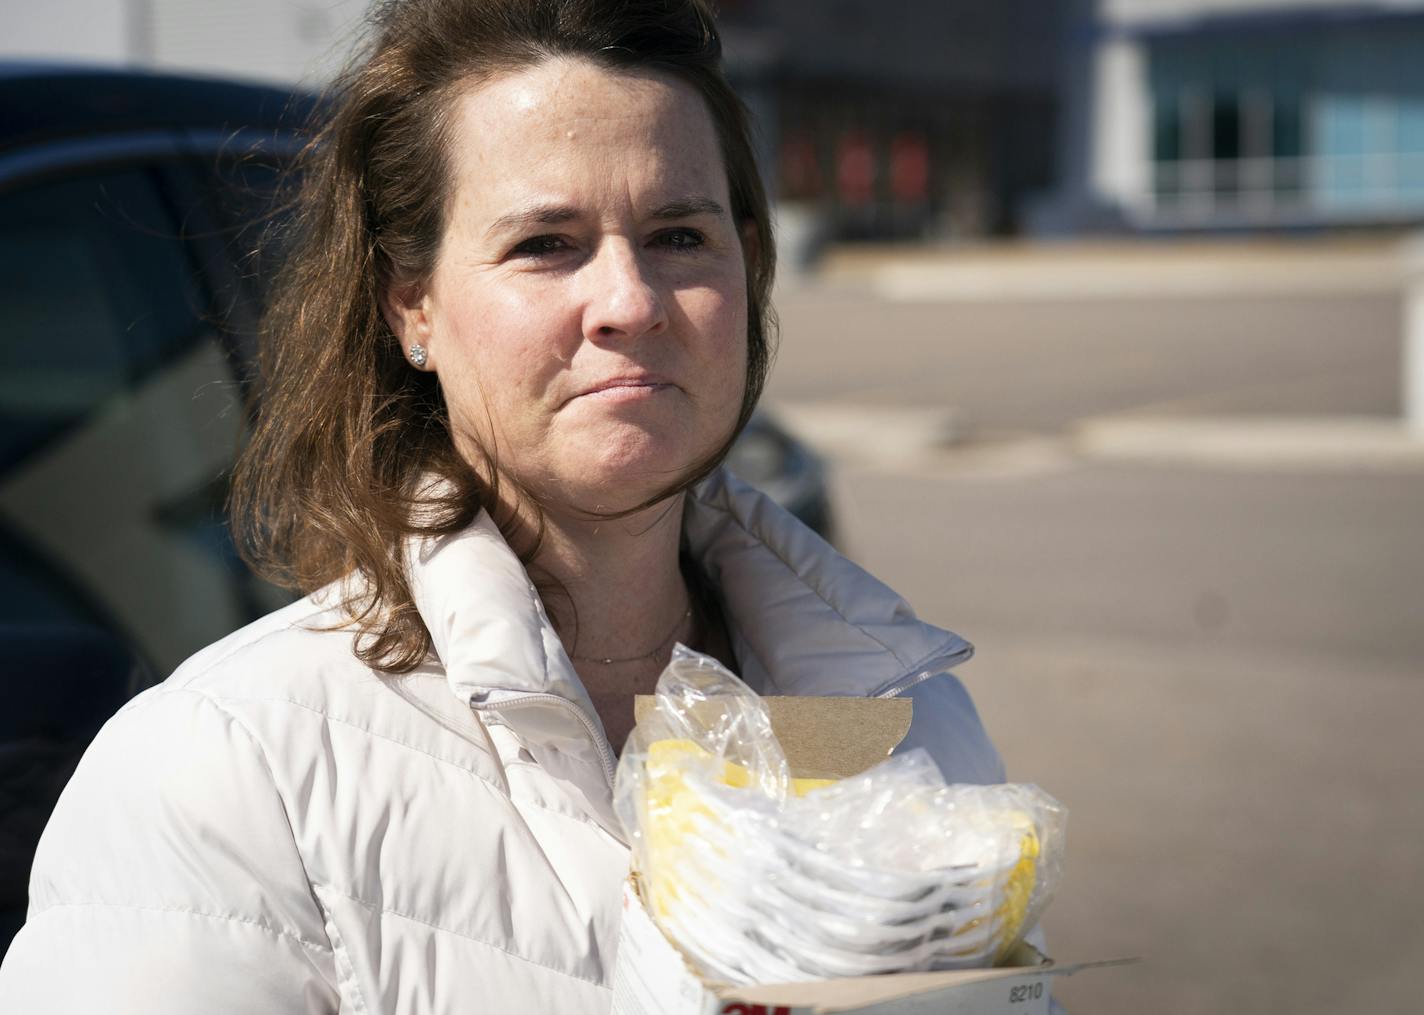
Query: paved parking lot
[[1218, 665]]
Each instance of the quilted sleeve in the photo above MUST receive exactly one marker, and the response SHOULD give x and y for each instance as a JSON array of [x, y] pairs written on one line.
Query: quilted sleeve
[[946, 724], [167, 880]]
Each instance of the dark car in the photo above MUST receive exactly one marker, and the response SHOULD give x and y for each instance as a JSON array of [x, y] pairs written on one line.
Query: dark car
[[130, 208]]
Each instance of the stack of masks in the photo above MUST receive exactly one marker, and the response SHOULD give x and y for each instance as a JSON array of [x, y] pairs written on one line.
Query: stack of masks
[[760, 877]]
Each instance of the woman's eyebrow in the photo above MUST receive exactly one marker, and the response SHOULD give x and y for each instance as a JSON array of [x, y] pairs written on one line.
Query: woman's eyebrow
[[537, 214], [687, 207], [554, 214]]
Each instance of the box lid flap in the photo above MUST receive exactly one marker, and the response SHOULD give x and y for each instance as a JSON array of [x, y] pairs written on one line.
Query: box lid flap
[[828, 738]]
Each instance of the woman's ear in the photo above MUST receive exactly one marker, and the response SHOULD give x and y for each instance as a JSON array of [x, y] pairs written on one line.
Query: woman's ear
[[407, 313]]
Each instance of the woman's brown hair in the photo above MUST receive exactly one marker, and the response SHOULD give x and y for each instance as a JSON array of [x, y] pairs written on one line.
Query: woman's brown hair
[[348, 437]]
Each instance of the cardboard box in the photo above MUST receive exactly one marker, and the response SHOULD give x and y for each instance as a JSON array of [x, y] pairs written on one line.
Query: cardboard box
[[652, 978], [822, 738]]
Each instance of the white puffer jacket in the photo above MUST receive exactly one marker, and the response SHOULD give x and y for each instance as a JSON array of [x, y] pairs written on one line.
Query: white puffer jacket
[[279, 829]]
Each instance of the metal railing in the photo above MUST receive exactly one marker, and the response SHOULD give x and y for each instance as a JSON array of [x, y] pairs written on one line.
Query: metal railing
[[1369, 185]]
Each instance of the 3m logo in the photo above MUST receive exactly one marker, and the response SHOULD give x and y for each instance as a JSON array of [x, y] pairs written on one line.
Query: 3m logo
[[754, 1009]]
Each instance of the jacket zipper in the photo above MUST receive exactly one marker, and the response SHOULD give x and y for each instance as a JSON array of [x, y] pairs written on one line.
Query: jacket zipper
[[922, 672], [605, 753]]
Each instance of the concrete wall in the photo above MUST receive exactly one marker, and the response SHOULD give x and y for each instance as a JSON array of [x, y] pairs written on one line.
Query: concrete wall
[[75, 30], [276, 40], [1120, 123]]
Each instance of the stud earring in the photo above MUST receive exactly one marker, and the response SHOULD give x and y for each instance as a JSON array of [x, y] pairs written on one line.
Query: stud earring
[[417, 354]]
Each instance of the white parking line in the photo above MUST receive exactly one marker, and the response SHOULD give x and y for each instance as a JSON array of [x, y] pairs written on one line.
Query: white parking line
[[1324, 443], [942, 441]]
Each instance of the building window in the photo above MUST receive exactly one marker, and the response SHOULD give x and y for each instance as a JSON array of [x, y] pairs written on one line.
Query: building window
[[1299, 126]]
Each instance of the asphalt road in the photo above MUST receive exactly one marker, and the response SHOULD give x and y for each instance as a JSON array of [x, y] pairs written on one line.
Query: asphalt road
[[1043, 364], [1219, 670]]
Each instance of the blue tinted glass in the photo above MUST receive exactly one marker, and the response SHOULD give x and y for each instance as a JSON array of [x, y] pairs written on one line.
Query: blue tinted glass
[[96, 290], [1411, 125], [1166, 128], [1225, 126], [1342, 125], [1286, 132]]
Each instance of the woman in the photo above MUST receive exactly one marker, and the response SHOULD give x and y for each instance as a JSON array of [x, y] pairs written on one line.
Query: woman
[[524, 317]]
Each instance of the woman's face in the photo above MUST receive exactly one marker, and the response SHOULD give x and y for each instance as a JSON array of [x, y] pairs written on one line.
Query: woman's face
[[587, 315]]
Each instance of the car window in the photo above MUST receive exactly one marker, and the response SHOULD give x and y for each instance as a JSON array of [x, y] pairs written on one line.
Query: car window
[[94, 294], [248, 197], [119, 418], [251, 198]]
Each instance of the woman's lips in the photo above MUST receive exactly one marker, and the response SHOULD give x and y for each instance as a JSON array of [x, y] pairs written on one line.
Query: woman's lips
[[626, 389]]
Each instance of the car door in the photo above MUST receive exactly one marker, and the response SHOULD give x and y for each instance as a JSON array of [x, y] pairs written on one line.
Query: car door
[[120, 411]]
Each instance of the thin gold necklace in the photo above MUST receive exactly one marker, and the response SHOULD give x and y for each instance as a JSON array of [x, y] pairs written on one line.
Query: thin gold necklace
[[611, 661]]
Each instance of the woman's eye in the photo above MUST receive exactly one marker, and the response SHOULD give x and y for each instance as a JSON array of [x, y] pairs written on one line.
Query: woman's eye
[[537, 245], [681, 239]]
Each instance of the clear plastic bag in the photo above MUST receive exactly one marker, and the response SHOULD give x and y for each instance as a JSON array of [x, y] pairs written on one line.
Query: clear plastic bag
[[760, 877]]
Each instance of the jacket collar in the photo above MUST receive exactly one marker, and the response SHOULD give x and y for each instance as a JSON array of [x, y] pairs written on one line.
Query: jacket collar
[[803, 619]]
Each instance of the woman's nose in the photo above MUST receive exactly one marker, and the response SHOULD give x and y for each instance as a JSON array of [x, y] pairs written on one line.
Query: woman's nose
[[624, 301]]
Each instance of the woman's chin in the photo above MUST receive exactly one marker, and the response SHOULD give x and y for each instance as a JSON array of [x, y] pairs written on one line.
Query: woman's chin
[[616, 475]]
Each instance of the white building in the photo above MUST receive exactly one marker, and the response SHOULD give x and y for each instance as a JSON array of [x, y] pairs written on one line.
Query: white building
[[1250, 113]]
